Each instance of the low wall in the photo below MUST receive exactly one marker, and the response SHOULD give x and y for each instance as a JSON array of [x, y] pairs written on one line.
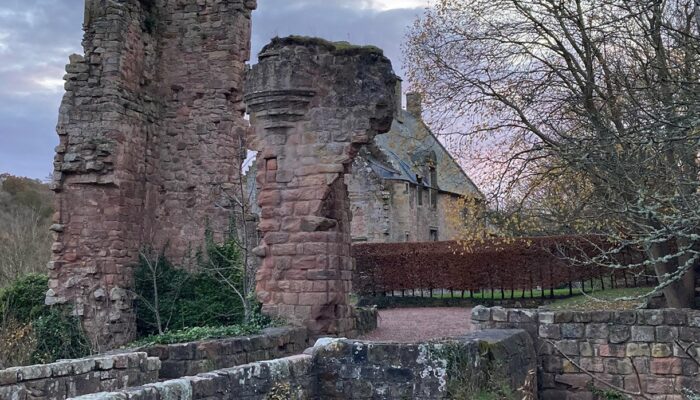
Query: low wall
[[188, 359], [285, 378], [140, 366], [346, 369], [658, 350], [71, 378]]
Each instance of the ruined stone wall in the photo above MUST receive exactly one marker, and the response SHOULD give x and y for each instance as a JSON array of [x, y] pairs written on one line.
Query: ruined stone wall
[[657, 349], [346, 369], [312, 104], [188, 359], [284, 378], [150, 131], [69, 378]]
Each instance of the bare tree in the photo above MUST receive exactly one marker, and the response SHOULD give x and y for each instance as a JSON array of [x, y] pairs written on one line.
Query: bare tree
[[602, 91]]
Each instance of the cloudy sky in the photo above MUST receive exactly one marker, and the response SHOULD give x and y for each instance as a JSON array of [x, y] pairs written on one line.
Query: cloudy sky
[[36, 37]]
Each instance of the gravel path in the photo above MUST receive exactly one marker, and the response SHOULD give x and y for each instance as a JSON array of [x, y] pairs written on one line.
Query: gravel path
[[420, 324]]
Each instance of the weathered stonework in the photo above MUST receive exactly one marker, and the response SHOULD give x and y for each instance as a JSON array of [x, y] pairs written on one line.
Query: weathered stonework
[[348, 370], [135, 367], [69, 378], [151, 130], [657, 349], [312, 105]]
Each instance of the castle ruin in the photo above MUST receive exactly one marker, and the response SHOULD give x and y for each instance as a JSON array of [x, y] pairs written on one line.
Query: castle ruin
[[312, 105], [151, 130], [152, 133]]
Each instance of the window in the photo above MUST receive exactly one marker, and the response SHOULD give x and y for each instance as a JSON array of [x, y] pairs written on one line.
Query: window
[[434, 187], [433, 235], [420, 196]]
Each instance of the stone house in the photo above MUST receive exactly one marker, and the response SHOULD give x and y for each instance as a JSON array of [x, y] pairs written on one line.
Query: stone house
[[404, 186]]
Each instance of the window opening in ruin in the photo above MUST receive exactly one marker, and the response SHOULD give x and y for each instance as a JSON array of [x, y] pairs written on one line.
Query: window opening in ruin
[[433, 235], [408, 237], [420, 196]]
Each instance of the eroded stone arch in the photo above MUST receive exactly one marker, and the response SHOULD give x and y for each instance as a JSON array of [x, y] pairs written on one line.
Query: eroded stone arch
[[312, 104]]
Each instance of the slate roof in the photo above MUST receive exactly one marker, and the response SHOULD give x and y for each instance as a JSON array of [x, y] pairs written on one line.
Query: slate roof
[[405, 147]]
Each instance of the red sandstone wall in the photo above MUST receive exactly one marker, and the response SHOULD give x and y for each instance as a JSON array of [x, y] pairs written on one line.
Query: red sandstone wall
[[149, 127]]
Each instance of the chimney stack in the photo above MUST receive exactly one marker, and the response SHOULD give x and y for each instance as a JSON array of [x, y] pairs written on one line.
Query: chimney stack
[[414, 104]]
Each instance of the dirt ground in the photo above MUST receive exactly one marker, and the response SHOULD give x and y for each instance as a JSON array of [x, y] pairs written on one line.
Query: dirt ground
[[408, 325]]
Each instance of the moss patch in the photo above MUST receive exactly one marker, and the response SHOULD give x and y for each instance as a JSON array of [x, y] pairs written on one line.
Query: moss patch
[[338, 48]]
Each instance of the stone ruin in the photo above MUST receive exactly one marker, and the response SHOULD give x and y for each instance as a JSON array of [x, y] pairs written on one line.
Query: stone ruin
[[312, 105], [152, 133]]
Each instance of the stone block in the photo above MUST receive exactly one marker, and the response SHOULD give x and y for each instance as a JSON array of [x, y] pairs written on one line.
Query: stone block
[[643, 333], [563, 317], [618, 366], [624, 317], [550, 331], [9, 376], [481, 313], [666, 366], [619, 333], [499, 314], [597, 331], [638, 350], [666, 333], [659, 350], [651, 317], [572, 330]]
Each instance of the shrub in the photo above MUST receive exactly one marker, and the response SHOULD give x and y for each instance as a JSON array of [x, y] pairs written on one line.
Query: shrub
[[199, 333], [17, 343], [170, 298], [23, 299], [58, 335], [31, 332]]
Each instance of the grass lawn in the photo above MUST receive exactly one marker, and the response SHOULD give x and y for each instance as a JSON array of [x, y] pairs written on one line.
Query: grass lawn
[[601, 300]]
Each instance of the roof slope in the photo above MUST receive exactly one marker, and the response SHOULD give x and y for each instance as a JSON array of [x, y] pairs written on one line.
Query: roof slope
[[404, 150]]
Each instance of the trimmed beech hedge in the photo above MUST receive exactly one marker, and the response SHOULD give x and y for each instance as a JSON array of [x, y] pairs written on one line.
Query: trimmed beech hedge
[[523, 264]]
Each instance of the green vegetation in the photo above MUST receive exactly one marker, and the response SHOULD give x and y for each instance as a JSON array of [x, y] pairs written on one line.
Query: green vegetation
[[605, 299], [607, 394], [58, 336], [199, 333], [340, 48], [172, 299], [211, 300], [472, 380], [31, 332], [24, 299]]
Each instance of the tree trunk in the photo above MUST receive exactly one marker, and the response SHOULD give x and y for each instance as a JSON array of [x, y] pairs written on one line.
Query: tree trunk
[[679, 294]]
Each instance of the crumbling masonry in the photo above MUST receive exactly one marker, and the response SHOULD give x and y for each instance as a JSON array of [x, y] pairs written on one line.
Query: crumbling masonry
[[312, 104], [151, 129]]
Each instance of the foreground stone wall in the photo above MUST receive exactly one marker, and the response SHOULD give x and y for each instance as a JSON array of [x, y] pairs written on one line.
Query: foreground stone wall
[[151, 131], [285, 378], [349, 369], [345, 369], [658, 348], [312, 104], [188, 359], [71, 378], [135, 367]]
